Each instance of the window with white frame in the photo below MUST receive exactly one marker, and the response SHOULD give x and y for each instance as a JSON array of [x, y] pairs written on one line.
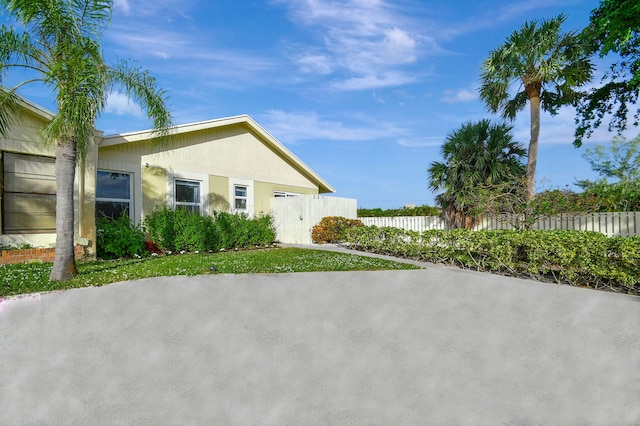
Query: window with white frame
[[114, 194], [187, 195], [241, 193]]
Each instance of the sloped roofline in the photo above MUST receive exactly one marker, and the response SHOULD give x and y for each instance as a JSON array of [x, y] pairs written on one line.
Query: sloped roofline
[[36, 109], [44, 113], [265, 137]]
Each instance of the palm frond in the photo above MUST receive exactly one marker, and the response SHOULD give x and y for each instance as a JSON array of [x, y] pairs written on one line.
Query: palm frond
[[143, 87]]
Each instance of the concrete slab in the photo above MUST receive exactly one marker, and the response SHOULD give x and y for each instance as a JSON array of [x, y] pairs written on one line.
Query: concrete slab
[[429, 346]]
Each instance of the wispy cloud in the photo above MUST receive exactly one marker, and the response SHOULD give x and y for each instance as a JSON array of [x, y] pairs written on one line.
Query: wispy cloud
[[508, 11], [364, 43], [292, 127], [166, 9], [188, 58], [460, 95], [421, 142], [122, 6]]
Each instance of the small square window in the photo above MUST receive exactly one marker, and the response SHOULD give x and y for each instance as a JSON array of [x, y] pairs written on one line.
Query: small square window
[[240, 201]]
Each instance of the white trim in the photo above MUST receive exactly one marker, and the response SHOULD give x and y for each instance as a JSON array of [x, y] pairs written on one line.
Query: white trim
[[203, 179], [250, 196]]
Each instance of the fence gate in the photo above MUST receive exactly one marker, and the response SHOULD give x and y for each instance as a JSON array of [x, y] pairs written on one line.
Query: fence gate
[[295, 217]]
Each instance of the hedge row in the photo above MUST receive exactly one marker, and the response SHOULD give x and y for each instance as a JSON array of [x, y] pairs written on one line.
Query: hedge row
[[179, 230], [578, 258], [176, 230]]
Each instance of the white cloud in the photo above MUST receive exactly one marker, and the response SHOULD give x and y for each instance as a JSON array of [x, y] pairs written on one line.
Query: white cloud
[[460, 95], [291, 127], [122, 5], [165, 9], [421, 142], [366, 40], [374, 81], [315, 64], [120, 104]]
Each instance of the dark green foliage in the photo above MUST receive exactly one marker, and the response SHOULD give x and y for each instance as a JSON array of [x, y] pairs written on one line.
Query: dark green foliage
[[596, 197], [614, 28], [423, 210], [178, 230], [579, 258], [612, 197], [332, 228], [476, 155], [118, 238]]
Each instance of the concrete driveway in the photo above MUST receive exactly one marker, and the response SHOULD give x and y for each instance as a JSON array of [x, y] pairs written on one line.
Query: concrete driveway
[[437, 346]]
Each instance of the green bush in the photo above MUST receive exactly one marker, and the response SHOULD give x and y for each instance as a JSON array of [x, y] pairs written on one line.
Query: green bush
[[118, 238], [178, 230], [331, 228], [579, 258]]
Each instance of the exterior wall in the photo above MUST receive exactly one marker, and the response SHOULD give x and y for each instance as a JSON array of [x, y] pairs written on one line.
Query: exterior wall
[[264, 193], [24, 137], [154, 189], [218, 157], [35, 255], [218, 194]]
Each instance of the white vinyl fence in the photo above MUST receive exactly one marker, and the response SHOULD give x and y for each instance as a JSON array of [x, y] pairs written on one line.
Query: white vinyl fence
[[295, 217], [623, 224]]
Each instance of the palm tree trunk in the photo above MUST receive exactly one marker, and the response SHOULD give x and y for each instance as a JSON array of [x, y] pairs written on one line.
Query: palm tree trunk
[[532, 156], [64, 264]]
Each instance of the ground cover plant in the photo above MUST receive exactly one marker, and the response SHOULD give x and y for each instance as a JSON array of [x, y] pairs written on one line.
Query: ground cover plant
[[33, 277], [578, 258]]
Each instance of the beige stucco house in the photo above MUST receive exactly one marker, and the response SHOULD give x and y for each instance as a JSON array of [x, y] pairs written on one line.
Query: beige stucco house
[[229, 164]]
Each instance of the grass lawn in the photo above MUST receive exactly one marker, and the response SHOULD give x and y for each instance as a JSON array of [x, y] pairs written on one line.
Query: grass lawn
[[26, 278]]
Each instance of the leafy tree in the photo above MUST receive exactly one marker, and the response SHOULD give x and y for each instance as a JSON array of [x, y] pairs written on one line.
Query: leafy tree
[[546, 66], [614, 28], [61, 45], [475, 155], [620, 160]]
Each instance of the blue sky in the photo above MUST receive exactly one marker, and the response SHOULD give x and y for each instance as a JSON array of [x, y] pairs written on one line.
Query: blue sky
[[363, 91]]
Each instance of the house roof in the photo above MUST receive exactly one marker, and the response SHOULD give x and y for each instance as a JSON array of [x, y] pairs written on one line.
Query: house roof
[[252, 125], [36, 109]]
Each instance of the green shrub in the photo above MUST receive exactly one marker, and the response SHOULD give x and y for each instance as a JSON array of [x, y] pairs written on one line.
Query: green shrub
[[575, 257], [178, 230], [160, 225], [331, 229], [239, 231], [118, 238]]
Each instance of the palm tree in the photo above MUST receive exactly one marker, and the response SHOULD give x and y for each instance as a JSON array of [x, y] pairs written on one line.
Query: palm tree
[[546, 66], [61, 47], [477, 155]]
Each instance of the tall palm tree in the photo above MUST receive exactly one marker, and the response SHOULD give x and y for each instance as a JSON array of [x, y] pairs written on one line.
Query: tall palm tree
[[546, 66], [61, 47], [478, 154]]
